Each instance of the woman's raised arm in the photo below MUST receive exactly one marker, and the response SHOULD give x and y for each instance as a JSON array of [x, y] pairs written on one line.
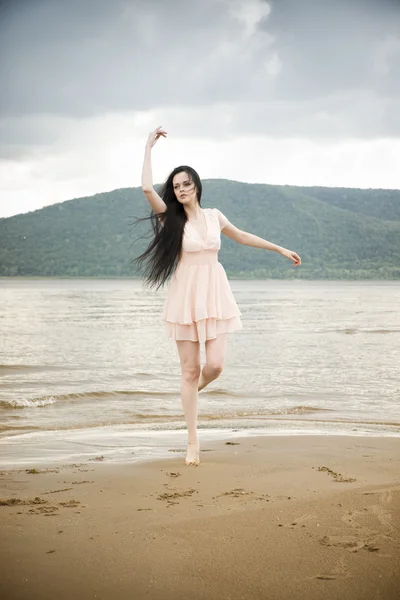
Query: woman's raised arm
[[155, 201]]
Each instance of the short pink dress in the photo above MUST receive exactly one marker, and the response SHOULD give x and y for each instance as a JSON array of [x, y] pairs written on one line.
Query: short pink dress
[[199, 304]]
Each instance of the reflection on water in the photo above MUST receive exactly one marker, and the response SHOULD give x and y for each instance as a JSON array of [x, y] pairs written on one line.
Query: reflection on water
[[79, 354]]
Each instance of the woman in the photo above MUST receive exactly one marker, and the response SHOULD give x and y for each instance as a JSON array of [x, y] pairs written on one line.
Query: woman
[[199, 306]]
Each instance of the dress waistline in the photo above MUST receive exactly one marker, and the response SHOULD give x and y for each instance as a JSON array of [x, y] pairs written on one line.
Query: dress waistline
[[200, 257]]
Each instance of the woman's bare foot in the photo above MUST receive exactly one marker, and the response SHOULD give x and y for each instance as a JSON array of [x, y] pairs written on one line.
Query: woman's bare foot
[[192, 456]]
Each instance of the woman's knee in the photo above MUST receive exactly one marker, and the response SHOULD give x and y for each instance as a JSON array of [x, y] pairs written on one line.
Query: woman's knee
[[191, 373], [215, 368]]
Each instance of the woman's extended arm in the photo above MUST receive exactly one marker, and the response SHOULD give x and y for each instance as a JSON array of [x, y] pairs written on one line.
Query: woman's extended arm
[[155, 201], [249, 239]]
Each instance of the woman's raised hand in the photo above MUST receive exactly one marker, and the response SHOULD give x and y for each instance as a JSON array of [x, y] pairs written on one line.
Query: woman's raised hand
[[155, 135]]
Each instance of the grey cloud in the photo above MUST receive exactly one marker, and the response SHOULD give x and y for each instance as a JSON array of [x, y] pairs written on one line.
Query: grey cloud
[[86, 57], [23, 134], [327, 47], [311, 68]]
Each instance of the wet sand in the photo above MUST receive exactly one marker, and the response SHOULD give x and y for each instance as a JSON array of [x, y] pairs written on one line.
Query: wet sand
[[273, 518]]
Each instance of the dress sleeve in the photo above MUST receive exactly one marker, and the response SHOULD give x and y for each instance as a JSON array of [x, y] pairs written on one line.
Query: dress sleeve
[[221, 218]]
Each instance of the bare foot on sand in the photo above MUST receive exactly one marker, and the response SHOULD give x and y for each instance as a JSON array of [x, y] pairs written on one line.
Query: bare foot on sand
[[192, 456]]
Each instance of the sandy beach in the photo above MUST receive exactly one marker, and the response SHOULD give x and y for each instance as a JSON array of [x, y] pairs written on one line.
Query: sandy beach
[[306, 517]]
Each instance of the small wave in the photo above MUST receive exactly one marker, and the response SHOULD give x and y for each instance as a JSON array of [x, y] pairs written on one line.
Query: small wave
[[16, 367], [300, 410], [382, 331], [8, 369], [24, 403], [46, 400], [290, 410], [177, 423], [4, 369], [354, 331], [145, 375], [293, 410], [225, 422], [349, 331], [221, 392], [17, 429]]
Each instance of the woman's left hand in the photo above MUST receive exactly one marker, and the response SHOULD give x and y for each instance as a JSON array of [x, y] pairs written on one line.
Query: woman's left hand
[[295, 258]]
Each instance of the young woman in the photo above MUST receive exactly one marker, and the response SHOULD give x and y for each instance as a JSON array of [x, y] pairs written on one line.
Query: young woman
[[199, 307]]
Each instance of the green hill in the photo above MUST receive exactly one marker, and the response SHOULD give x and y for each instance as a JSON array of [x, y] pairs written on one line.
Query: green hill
[[339, 233]]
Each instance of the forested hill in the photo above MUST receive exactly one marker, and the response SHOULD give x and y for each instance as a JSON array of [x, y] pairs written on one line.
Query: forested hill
[[339, 233]]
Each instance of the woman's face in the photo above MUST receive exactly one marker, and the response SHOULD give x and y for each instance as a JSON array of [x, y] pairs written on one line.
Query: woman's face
[[184, 188]]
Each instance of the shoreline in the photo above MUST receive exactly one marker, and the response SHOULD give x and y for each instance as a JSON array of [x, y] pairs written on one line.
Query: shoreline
[[121, 444], [300, 517]]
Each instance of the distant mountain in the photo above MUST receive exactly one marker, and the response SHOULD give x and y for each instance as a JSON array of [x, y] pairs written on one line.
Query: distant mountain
[[339, 233]]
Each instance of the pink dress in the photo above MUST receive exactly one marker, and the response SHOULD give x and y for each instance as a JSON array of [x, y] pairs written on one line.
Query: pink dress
[[199, 303]]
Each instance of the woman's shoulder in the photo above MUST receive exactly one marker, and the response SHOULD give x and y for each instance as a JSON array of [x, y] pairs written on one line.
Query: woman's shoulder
[[221, 218], [213, 211]]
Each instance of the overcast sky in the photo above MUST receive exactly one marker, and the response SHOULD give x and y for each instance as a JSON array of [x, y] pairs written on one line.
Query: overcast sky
[[301, 92]]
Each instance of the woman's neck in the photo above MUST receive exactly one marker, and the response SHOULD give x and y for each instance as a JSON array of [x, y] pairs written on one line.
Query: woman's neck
[[193, 212]]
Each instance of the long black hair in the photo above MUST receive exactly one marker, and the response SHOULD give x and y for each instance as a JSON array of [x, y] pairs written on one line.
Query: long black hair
[[162, 255]]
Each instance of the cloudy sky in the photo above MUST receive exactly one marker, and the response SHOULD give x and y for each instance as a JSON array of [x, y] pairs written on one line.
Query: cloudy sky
[[301, 92]]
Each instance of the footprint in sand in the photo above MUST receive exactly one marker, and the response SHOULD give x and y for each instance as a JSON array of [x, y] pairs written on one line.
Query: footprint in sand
[[384, 516], [172, 497], [236, 493], [19, 501], [337, 476], [79, 482], [352, 518], [351, 544], [240, 492], [38, 471], [70, 504], [39, 503], [44, 510], [380, 511]]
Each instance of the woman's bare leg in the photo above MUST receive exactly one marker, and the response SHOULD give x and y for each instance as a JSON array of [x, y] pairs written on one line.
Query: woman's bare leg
[[189, 355], [215, 356]]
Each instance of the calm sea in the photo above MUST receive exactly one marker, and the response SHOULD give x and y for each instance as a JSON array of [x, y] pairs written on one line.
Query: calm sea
[[86, 369]]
